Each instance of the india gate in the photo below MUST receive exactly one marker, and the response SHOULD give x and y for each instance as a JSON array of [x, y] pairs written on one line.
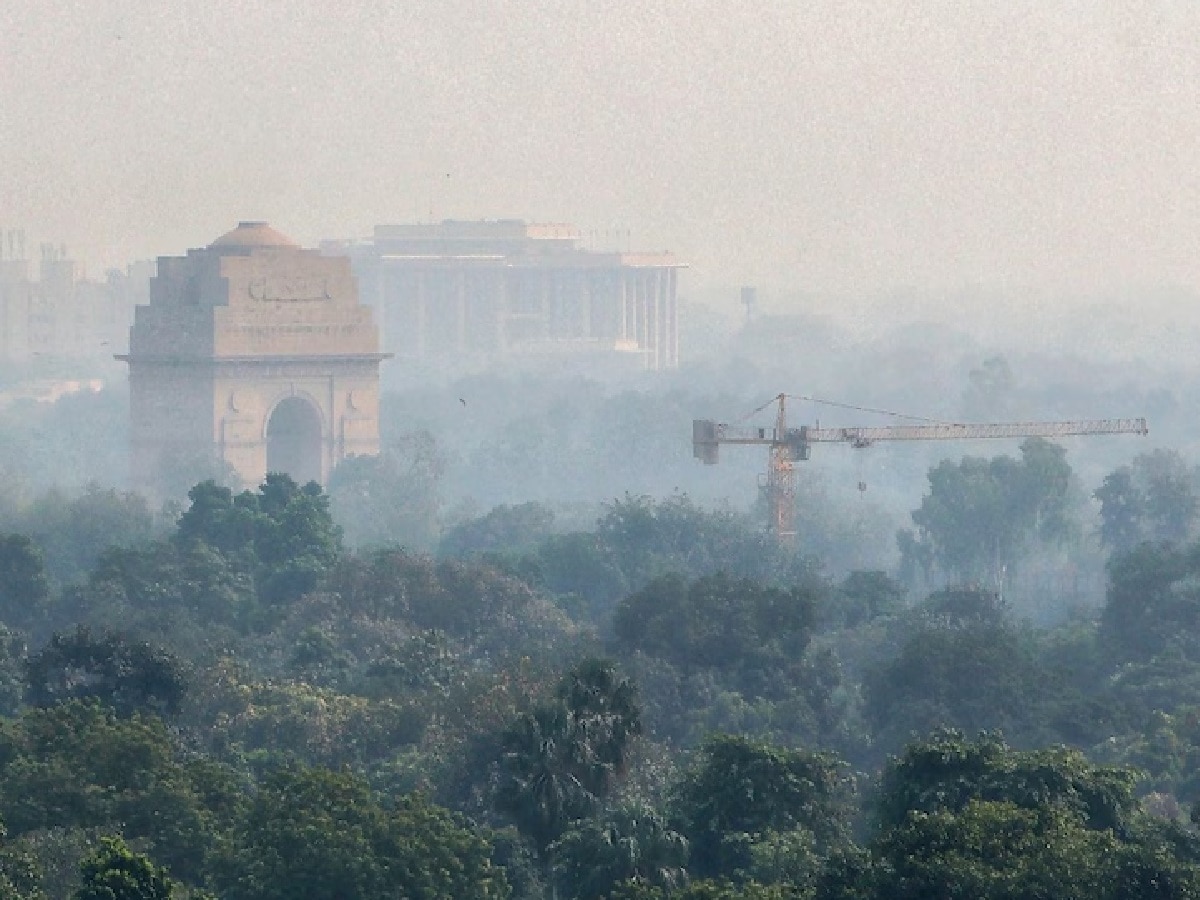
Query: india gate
[[255, 352]]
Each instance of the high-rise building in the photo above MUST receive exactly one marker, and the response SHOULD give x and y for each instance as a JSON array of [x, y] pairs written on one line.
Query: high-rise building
[[60, 314]]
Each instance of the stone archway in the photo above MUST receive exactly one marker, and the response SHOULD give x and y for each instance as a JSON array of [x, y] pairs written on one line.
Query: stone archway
[[294, 440]]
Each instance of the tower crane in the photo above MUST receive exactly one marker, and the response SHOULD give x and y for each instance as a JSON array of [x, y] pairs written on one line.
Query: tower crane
[[790, 445]]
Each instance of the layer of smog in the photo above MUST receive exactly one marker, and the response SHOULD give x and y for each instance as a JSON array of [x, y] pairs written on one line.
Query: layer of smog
[[595, 451]]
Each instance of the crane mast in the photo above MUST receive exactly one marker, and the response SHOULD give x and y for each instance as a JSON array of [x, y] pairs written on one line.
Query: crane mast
[[786, 446]]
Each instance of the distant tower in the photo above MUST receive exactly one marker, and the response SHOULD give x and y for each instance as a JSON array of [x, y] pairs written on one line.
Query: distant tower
[[255, 352]]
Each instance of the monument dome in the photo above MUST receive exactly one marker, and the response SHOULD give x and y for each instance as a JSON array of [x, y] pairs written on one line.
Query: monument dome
[[249, 235]]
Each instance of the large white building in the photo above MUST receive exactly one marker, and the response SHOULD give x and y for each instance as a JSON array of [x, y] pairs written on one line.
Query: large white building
[[464, 291]]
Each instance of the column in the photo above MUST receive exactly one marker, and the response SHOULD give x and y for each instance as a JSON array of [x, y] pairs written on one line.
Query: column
[[672, 319], [623, 299], [420, 299], [584, 299], [499, 300], [460, 313], [643, 303], [653, 323]]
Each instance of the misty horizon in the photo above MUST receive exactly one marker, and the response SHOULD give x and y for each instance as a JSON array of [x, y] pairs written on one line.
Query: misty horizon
[[835, 151]]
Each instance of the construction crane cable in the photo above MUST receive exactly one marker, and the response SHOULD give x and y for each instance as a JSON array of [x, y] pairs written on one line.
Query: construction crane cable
[[757, 410]]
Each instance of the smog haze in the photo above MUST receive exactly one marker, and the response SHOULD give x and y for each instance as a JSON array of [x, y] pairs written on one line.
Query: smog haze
[[832, 148]]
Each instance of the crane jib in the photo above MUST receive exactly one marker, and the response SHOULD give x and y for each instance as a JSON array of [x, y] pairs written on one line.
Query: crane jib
[[707, 435], [790, 445], [864, 436]]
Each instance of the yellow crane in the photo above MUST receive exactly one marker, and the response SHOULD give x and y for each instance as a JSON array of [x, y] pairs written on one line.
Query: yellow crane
[[788, 446]]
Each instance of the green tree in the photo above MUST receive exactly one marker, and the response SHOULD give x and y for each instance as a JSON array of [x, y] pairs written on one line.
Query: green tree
[[323, 835], [24, 588], [947, 771], [538, 785], [1122, 510], [980, 514], [75, 530], [721, 623], [561, 759], [114, 872], [77, 765], [737, 791], [20, 871], [965, 664], [631, 842], [995, 850], [864, 596], [1171, 505], [284, 533], [1153, 602], [126, 675], [1153, 499], [392, 498], [635, 889], [504, 529]]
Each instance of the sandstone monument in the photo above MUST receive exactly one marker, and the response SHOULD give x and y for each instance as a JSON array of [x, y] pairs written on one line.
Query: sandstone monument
[[255, 352]]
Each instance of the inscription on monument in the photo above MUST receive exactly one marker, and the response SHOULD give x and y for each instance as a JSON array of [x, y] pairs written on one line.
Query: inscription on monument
[[288, 288]]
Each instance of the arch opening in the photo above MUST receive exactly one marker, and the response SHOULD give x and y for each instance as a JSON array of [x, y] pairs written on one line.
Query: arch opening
[[294, 440]]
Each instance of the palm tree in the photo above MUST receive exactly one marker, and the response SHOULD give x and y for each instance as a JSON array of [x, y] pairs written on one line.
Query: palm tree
[[560, 760], [538, 781], [631, 842]]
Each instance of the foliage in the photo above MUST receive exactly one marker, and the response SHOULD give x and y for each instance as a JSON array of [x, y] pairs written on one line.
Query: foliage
[[320, 834], [737, 791], [632, 842], [12, 670], [1153, 602], [996, 849], [496, 616], [864, 596], [1122, 509], [562, 758], [386, 671], [286, 532], [708, 890], [20, 871], [127, 675], [76, 764], [786, 857], [114, 872], [638, 539], [24, 588], [317, 725], [392, 498], [980, 514], [73, 530], [721, 623], [1152, 499], [975, 675], [504, 529], [947, 771]]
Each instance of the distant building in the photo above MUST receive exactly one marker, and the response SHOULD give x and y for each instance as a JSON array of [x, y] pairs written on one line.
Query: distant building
[[61, 314], [466, 291], [256, 353]]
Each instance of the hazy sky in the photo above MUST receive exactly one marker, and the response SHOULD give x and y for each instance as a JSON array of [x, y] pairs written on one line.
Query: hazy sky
[[831, 147]]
